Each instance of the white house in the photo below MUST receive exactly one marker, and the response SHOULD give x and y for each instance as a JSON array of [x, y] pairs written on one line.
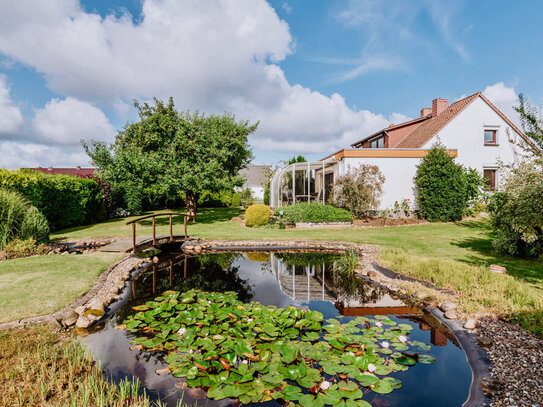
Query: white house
[[255, 177], [472, 129]]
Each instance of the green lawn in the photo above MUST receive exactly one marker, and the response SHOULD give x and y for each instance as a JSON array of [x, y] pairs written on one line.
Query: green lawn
[[41, 285], [451, 255]]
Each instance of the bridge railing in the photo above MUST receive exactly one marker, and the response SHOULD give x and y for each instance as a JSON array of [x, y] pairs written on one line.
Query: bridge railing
[[154, 216]]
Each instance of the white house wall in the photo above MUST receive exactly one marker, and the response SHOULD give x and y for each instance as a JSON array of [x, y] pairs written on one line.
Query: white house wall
[[399, 174], [465, 133]]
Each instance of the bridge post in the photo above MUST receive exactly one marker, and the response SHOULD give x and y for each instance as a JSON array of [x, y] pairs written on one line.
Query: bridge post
[[134, 237]]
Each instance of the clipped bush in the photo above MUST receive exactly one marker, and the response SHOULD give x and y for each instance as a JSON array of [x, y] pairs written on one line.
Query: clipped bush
[[257, 215], [18, 219], [65, 201], [359, 190], [313, 213], [517, 213], [444, 187], [236, 200]]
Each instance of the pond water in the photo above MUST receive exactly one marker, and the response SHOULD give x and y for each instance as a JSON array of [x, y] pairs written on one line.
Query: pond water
[[304, 280]]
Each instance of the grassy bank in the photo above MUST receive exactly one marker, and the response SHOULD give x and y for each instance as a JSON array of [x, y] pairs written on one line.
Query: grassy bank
[[451, 255], [41, 285], [40, 367]]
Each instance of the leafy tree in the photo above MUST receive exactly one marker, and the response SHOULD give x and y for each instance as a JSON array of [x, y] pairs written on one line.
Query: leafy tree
[[444, 187], [532, 125], [167, 153]]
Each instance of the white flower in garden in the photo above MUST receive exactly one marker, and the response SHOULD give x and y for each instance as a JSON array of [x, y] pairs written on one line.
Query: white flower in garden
[[371, 368], [250, 320], [324, 385], [244, 362], [182, 331], [402, 338], [350, 353], [385, 344], [379, 324]]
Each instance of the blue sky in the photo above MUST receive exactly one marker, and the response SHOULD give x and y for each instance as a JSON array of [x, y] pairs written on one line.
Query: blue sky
[[317, 74]]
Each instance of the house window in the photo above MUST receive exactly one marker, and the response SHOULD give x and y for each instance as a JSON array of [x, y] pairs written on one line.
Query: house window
[[378, 143], [490, 137], [490, 178]]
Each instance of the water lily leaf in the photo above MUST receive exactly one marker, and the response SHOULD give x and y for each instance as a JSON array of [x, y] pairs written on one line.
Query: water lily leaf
[[270, 330], [382, 387], [383, 370], [406, 360], [337, 344], [426, 359], [366, 379], [308, 400], [315, 316], [310, 336], [395, 383], [421, 345]]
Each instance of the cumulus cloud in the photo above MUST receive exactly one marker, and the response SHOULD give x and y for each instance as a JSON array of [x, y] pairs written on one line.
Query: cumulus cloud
[[70, 120], [15, 155], [219, 57], [504, 98], [11, 118]]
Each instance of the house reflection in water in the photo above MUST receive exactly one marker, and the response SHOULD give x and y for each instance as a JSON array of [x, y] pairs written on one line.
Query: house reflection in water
[[351, 296]]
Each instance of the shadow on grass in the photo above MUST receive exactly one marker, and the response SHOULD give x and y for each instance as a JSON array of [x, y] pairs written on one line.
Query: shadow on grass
[[204, 215]]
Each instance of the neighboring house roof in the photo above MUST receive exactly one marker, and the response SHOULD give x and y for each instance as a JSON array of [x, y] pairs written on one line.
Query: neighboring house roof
[[255, 175], [77, 171]]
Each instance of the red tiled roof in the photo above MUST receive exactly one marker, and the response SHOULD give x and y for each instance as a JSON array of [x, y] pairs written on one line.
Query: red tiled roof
[[77, 172], [428, 129]]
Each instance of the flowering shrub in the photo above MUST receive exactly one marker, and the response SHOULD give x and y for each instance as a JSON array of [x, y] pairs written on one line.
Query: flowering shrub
[[517, 212], [359, 190]]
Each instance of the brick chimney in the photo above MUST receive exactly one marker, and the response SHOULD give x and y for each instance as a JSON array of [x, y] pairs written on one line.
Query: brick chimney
[[425, 111], [438, 106]]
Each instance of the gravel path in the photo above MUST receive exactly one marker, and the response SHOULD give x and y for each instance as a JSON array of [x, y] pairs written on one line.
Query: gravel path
[[517, 358]]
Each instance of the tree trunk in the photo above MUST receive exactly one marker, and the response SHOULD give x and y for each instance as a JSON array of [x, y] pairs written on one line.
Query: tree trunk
[[192, 204]]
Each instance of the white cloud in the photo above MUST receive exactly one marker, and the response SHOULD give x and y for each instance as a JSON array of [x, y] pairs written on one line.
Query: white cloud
[[15, 155], [70, 120], [504, 98], [217, 57], [11, 118]]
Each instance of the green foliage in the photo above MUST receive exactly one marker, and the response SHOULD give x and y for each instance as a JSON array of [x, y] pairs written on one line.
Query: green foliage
[[299, 159], [532, 124], [359, 190], [246, 197], [23, 248], [236, 200], [257, 215], [65, 201], [517, 212], [444, 187], [313, 213], [18, 219], [267, 196], [167, 153], [347, 264], [258, 353], [220, 199]]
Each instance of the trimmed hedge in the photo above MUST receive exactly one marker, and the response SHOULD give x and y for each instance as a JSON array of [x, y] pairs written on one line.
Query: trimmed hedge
[[314, 213], [257, 215], [65, 201]]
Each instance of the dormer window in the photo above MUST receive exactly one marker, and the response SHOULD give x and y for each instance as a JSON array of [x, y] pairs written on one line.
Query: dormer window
[[378, 143], [491, 137]]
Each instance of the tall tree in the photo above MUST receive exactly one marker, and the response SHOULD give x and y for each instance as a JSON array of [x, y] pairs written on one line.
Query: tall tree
[[532, 125], [167, 153]]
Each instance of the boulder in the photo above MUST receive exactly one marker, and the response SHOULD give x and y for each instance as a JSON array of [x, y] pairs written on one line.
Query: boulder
[[447, 306], [69, 318], [470, 324], [83, 322], [450, 314]]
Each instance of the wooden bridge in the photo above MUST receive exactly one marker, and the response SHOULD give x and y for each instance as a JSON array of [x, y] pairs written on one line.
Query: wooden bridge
[[143, 242]]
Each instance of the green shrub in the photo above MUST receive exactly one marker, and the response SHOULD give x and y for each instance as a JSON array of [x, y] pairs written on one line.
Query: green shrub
[[359, 190], [257, 215], [444, 187], [517, 212], [246, 197], [65, 201], [236, 200], [18, 219], [314, 213], [21, 248], [267, 196], [221, 199], [133, 198]]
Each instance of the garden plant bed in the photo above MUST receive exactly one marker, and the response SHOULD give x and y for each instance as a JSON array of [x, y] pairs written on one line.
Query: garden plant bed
[[376, 222]]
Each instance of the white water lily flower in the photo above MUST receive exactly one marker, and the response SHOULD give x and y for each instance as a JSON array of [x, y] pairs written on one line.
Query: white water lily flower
[[379, 324], [385, 344], [371, 368], [402, 338], [350, 353], [324, 385], [182, 331]]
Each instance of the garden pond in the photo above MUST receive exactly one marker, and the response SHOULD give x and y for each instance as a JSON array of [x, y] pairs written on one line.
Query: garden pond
[[270, 328]]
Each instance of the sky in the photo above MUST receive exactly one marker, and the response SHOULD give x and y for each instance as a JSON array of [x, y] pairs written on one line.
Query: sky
[[317, 75]]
